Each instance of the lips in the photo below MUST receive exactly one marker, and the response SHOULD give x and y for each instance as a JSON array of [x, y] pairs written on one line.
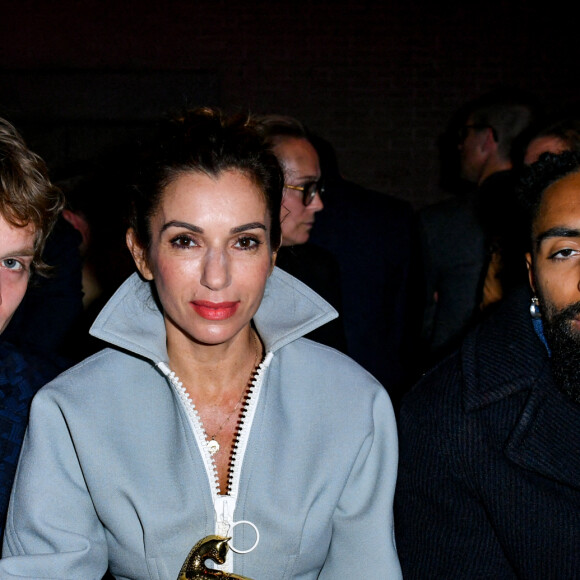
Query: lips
[[215, 310]]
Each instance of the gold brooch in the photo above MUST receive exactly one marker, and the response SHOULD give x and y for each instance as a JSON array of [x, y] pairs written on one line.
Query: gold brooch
[[213, 548]]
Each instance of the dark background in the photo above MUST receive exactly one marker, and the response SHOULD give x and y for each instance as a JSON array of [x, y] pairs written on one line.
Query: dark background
[[379, 80]]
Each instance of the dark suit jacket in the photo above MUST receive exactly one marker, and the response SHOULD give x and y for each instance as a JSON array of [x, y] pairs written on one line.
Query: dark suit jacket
[[371, 236], [454, 254], [457, 236], [318, 269], [489, 480]]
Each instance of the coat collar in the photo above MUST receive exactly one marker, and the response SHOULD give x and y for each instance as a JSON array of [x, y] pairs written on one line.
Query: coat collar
[[504, 356], [132, 320]]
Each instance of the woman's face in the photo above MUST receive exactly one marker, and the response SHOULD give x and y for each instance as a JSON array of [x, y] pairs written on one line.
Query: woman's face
[[210, 256]]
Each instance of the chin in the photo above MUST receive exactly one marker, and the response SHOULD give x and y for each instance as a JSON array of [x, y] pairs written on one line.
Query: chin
[[214, 334]]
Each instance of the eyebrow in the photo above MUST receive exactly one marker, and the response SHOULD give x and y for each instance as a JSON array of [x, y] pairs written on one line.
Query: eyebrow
[[21, 253], [305, 178], [557, 232], [198, 230]]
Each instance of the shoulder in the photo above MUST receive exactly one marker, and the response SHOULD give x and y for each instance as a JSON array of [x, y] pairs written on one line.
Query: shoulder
[[456, 210], [23, 373], [436, 401], [96, 380], [325, 377], [308, 258], [324, 360], [500, 357]]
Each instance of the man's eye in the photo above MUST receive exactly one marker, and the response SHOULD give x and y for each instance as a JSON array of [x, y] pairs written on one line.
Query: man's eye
[[12, 264], [564, 253]]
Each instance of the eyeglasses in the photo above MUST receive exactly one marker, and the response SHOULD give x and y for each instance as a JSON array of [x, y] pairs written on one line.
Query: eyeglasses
[[463, 131], [309, 190]]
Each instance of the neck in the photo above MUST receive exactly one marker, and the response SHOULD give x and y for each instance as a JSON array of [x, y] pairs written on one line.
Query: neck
[[494, 165], [215, 369]]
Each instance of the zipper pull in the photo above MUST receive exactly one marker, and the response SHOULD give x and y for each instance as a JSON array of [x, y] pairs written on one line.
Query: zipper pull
[[223, 515]]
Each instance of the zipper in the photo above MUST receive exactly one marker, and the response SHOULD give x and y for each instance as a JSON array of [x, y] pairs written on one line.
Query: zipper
[[224, 505]]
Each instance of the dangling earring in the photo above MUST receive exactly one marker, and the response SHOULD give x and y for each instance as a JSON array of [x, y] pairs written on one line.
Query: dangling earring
[[535, 309]]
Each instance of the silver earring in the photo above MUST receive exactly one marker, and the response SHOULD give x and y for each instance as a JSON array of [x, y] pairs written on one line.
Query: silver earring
[[535, 309]]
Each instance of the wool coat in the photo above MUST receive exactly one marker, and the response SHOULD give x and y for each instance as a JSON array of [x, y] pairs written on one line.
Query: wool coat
[[489, 481]]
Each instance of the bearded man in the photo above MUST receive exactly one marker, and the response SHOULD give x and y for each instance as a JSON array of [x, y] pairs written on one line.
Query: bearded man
[[489, 480]]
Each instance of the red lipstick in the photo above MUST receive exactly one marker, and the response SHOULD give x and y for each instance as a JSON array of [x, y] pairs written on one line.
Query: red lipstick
[[215, 310]]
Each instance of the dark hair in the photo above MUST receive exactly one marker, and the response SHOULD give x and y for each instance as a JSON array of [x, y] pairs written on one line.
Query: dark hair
[[205, 141], [27, 195], [536, 178], [567, 130], [274, 128], [508, 112]]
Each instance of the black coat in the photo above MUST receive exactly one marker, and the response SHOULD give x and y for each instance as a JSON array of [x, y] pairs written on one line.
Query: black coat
[[371, 235], [318, 269], [489, 481]]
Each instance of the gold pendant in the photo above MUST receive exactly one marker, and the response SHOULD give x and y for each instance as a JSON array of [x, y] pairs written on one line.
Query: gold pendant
[[213, 548]]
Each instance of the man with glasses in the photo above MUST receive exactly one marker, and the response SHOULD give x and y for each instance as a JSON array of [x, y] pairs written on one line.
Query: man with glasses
[[302, 188], [467, 240], [302, 199]]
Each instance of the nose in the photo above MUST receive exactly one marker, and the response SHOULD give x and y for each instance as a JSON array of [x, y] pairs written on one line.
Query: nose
[[316, 204], [216, 270]]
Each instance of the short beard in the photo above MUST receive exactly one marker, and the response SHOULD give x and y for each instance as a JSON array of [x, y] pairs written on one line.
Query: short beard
[[564, 344]]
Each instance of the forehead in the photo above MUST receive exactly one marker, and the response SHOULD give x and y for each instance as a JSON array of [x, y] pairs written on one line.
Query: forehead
[[199, 192], [560, 205], [539, 145], [15, 238], [297, 155]]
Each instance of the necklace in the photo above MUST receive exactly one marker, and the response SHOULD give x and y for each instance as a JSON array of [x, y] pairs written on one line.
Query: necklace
[[212, 445]]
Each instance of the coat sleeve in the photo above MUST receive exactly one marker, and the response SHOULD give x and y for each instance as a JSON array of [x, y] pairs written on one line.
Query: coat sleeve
[[442, 527], [362, 543], [52, 529]]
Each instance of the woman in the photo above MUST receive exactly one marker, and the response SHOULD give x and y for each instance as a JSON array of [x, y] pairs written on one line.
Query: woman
[[209, 415]]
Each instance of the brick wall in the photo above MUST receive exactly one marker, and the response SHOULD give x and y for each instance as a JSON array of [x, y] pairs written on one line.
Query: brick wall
[[379, 80]]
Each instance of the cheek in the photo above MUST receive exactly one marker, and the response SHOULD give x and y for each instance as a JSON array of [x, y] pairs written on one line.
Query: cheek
[[12, 289], [559, 287], [292, 209], [253, 279], [171, 277]]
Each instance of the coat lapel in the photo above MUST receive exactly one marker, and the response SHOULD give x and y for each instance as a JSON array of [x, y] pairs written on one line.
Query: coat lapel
[[547, 437], [503, 357]]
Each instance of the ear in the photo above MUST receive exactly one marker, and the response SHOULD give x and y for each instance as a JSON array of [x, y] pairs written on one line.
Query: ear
[[489, 144], [530, 271], [273, 262], [79, 223], [139, 254]]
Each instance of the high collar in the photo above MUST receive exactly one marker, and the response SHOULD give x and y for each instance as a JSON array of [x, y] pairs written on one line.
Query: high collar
[[131, 319], [504, 356]]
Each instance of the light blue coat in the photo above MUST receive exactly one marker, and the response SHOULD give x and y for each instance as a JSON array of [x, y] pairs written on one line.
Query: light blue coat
[[113, 474]]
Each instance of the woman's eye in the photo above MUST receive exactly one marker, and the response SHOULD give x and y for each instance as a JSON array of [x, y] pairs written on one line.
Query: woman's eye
[[247, 243], [12, 264], [183, 242]]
